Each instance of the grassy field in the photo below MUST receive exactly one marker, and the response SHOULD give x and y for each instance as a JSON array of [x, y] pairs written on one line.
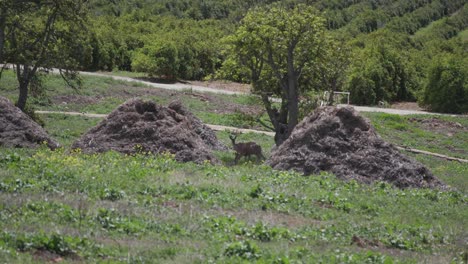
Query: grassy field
[[101, 95], [112, 208], [441, 134]]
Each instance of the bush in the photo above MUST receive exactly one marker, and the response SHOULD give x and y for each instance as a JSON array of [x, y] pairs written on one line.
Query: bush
[[157, 59], [243, 249], [361, 91], [446, 90], [381, 73]]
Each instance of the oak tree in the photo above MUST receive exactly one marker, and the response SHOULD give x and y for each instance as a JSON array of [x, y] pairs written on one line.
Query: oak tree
[[41, 34], [279, 45]]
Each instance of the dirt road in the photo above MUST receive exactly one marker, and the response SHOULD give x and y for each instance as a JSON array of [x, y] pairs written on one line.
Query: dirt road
[[202, 89], [235, 129], [214, 127]]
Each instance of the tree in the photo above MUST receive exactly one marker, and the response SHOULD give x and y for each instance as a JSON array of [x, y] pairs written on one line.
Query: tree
[[160, 58], [42, 34], [380, 73], [278, 46], [330, 74], [447, 85]]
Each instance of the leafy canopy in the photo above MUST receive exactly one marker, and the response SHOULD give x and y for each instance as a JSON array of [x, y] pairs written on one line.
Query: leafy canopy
[[278, 46]]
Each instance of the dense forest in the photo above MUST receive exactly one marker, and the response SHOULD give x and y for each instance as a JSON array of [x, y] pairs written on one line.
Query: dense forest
[[389, 50]]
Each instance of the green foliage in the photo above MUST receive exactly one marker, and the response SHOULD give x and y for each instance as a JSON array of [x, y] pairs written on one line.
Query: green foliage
[[244, 249], [447, 87], [380, 73], [157, 59], [43, 34], [228, 214], [55, 243], [445, 28], [278, 47], [162, 46], [181, 40]]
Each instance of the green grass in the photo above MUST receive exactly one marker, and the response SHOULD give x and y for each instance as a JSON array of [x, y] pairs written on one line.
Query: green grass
[[101, 95], [66, 129], [117, 208], [400, 130], [54, 85], [142, 208]]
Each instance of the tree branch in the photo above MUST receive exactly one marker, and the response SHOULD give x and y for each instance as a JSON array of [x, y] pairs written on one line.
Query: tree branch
[[271, 113], [265, 125]]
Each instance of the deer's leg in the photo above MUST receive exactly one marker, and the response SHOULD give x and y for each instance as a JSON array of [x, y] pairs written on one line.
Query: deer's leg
[[259, 157], [237, 158]]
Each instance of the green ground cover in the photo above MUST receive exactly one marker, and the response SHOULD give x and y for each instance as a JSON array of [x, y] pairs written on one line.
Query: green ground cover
[[441, 135], [101, 95], [117, 208], [114, 208]]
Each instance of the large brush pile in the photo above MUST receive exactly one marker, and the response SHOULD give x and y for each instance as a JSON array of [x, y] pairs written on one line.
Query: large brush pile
[[340, 141], [19, 131], [142, 126]]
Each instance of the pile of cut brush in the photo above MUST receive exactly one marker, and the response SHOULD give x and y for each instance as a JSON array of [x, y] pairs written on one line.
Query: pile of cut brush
[[144, 126], [340, 141]]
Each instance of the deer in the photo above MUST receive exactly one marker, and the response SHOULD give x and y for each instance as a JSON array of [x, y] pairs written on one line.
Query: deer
[[246, 149]]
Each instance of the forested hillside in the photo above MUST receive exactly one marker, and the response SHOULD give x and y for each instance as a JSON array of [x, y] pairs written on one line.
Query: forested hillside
[[396, 50]]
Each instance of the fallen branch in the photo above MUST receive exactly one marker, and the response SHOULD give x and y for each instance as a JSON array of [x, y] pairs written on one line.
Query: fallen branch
[[431, 154]]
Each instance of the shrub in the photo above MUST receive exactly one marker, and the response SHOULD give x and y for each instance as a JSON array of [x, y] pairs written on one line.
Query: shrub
[[157, 59], [447, 86], [243, 249]]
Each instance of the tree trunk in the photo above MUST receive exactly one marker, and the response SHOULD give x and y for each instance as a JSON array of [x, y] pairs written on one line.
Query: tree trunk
[[281, 134], [24, 77], [23, 95], [331, 96], [293, 94], [2, 34], [2, 37], [293, 108]]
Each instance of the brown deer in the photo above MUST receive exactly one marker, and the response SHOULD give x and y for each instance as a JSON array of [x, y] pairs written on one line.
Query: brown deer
[[246, 149]]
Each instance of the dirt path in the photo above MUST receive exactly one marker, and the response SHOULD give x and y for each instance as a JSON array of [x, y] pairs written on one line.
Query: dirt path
[[214, 127], [235, 129], [217, 90], [202, 89], [394, 111], [174, 87]]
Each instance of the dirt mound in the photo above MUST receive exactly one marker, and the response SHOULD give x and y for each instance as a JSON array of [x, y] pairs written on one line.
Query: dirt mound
[[19, 130], [341, 141], [206, 133], [439, 125], [143, 126]]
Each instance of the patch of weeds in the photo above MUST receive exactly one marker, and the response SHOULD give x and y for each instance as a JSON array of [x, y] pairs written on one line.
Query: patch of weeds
[[167, 253], [112, 194], [243, 249], [256, 192], [10, 158], [110, 220], [413, 238], [16, 186], [63, 245], [333, 200], [356, 258], [232, 227]]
